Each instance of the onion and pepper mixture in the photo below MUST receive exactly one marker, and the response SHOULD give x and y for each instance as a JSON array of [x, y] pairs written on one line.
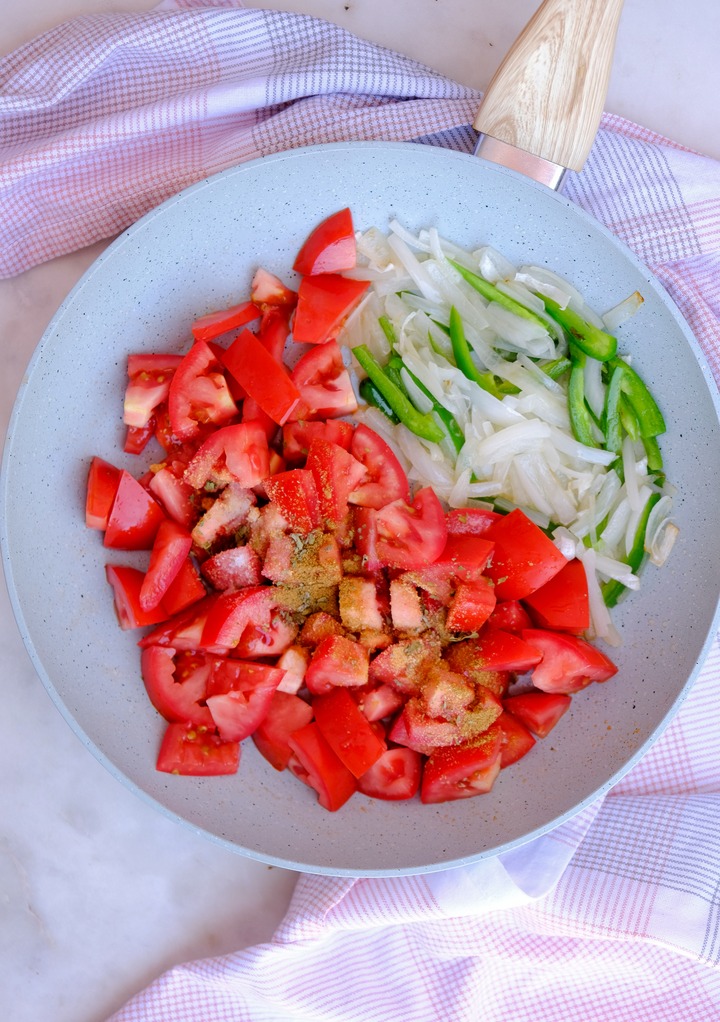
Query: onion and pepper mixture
[[388, 506]]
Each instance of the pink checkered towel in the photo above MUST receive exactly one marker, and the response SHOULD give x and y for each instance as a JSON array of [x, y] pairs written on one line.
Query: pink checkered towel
[[613, 916]]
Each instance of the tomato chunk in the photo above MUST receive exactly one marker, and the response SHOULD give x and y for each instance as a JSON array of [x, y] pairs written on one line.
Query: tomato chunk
[[199, 393], [239, 694], [286, 714], [471, 606], [337, 660], [296, 495], [387, 480], [524, 558], [176, 684], [462, 771], [323, 383], [347, 731], [330, 246], [261, 376], [171, 547], [126, 583], [568, 662], [234, 454], [324, 303], [134, 517], [102, 483], [214, 324], [394, 776], [196, 751], [538, 711], [562, 603], [517, 740], [411, 535], [315, 763]]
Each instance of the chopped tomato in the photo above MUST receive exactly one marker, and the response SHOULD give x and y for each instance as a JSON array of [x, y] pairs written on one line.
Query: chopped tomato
[[524, 558], [102, 483], [126, 583], [330, 247], [138, 437], [233, 569], [296, 495], [568, 662], [297, 437], [387, 480], [495, 650], [337, 660], [517, 741], [378, 701], [182, 631], [315, 763], [466, 556], [471, 606], [470, 521], [170, 549], [185, 589], [538, 711], [324, 384], [173, 493], [286, 714], [510, 616], [232, 614], [199, 393], [148, 386], [262, 377], [337, 473], [225, 516], [562, 603], [176, 684], [196, 752], [409, 536], [347, 732], [239, 694], [269, 290], [275, 330], [319, 626], [395, 775], [134, 517], [462, 771], [233, 454], [214, 324], [324, 303]]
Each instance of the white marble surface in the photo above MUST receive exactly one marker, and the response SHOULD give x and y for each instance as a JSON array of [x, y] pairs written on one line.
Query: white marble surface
[[98, 893]]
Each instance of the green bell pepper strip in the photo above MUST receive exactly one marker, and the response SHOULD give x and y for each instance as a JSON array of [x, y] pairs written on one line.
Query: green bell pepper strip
[[613, 590], [581, 420], [370, 393], [557, 368], [388, 329], [494, 294], [422, 425], [654, 457], [649, 417], [590, 339], [464, 362]]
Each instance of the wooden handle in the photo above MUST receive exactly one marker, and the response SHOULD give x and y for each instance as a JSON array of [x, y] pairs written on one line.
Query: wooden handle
[[547, 96]]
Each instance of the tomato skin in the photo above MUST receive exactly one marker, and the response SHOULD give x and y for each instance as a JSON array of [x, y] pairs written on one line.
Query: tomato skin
[[538, 711], [185, 589], [170, 549], [176, 684], [568, 662], [196, 752], [510, 616], [238, 696], [562, 604], [261, 376], [214, 324], [387, 479], [102, 483], [524, 558], [347, 731], [462, 771], [315, 763], [199, 393], [517, 740], [286, 714], [134, 517], [410, 536], [232, 454], [297, 437], [126, 583], [324, 384], [395, 775], [330, 247], [325, 301]]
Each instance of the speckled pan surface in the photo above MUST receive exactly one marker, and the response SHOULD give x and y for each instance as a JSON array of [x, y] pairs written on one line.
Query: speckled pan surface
[[197, 252]]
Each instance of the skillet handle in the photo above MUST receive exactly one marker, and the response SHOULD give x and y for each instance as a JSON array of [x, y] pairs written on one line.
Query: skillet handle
[[547, 96]]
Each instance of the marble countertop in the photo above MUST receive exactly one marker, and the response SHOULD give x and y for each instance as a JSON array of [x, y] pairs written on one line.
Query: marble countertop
[[98, 892]]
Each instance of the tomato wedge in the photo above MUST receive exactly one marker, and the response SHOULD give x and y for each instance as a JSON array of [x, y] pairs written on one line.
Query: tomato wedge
[[196, 752], [337, 473], [538, 711], [207, 328], [233, 454], [296, 495], [324, 384], [330, 247], [337, 660], [471, 606], [394, 776], [297, 437], [286, 714], [387, 479], [517, 740], [239, 694], [176, 684], [148, 386], [102, 483], [563, 603], [462, 771], [267, 290], [261, 376], [315, 763], [199, 393], [347, 732], [524, 558], [410, 536], [170, 550], [134, 517], [126, 583], [568, 663], [324, 303]]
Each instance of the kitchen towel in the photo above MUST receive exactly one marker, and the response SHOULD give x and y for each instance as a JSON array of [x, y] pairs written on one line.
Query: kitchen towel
[[616, 914]]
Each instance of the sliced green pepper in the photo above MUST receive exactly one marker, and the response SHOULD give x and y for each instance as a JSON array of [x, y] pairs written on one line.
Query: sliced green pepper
[[422, 425], [649, 417], [494, 294], [464, 362], [613, 590], [590, 339], [370, 393], [581, 420], [557, 368]]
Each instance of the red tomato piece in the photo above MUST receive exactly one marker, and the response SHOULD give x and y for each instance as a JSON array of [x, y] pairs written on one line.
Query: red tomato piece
[[126, 583], [297, 437], [233, 454], [227, 513], [185, 589], [199, 393], [387, 480], [239, 694], [337, 660], [232, 613], [568, 663], [275, 330], [462, 771], [233, 569], [319, 626], [517, 741], [562, 603], [286, 714], [261, 376], [170, 550], [148, 386], [337, 473], [176, 684], [347, 731], [495, 650], [138, 437], [510, 616], [466, 556], [395, 776], [330, 247], [471, 606], [470, 521], [102, 483], [324, 384], [196, 752], [410, 536], [364, 521], [378, 702], [524, 558], [207, 328], [314, 762], [134, 517], [324, 303], [269, 290], [538, 711], [296, 495], [184, 630], [175, 495], [252, 412]]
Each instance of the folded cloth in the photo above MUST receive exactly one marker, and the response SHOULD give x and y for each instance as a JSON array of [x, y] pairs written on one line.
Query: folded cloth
[[615, 915]]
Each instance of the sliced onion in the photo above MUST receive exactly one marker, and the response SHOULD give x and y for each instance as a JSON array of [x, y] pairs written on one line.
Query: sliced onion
[[621, 312]]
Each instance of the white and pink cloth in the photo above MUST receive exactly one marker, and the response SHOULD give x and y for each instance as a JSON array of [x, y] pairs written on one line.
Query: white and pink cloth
[[615, 916]]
